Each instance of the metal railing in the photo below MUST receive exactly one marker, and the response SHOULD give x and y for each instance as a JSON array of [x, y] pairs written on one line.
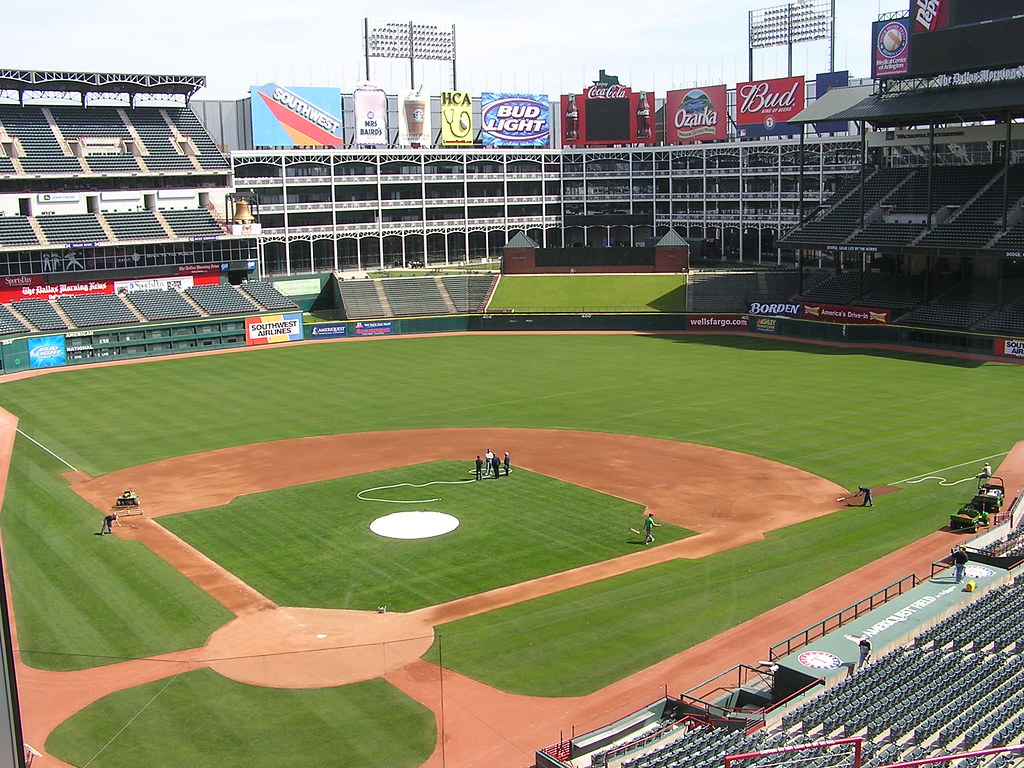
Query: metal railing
[[846, 615]]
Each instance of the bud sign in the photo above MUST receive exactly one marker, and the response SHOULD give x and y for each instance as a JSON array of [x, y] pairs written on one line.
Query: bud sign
[[769, 101]]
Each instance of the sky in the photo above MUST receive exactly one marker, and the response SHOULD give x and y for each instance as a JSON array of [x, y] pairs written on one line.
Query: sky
[[527, 46]]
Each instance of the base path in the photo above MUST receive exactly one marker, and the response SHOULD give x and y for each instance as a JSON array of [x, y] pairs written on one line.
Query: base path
[[728, 498]]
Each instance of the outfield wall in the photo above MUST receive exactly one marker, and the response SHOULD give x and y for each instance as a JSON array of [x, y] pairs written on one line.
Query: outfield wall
[[82, 346]]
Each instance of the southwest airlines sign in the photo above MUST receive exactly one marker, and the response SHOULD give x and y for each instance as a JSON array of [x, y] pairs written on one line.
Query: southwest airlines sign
[[304, 117]]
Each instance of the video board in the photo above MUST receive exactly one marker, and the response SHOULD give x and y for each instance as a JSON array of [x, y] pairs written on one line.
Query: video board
[[949, 36]]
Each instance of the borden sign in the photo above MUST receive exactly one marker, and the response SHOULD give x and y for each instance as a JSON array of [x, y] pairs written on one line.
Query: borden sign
[[695, 115], [767, 102]]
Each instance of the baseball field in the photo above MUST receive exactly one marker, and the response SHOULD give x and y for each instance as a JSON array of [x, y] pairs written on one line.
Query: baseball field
[[261, 472]]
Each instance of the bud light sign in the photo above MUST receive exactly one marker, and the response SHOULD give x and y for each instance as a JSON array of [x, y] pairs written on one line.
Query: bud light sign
[[47, 352], [515, 120]]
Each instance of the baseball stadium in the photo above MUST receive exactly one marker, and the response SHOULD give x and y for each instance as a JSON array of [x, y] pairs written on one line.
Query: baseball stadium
[[560, 459]]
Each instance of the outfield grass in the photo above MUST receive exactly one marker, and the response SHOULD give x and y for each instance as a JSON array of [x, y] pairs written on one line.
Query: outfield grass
[[594, 293], [851, 416], [200, 718], [311, 545]]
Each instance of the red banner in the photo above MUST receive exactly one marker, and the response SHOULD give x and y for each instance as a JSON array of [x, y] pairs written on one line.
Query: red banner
[[769, 101], [930, 15], [34, 287], [695, 115], [849, 315]]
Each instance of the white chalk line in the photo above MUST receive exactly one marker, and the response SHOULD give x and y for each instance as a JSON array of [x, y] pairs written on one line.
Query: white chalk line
[[408, 485], [58, 458], [913, 479]]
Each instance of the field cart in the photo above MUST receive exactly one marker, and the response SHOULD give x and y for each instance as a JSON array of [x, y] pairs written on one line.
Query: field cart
[[986, 502]]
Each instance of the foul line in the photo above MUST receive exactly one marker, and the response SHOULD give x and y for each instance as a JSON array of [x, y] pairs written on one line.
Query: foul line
[[58, 458], [913, 479], [408, 485], [132, 720]]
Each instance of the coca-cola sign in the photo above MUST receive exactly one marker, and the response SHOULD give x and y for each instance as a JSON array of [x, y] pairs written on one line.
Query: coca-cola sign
[[605, 114], [695, 115], [607, 92], [769, 101]]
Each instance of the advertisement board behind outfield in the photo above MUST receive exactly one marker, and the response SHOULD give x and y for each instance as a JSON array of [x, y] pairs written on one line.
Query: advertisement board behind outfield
[[1010, 347], [781, 309], [47, 352], [849, 315], [380, 328], [334, 331], [716, 322], [272, 329]]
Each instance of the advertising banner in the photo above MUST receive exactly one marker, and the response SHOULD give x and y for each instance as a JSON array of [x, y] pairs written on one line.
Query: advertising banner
[[296, 117], [157, 284], [776, 309], [763, 107], [331, 331], [823, 83], [370, 105], [47, 352], [1010, 347], [717, 322], [929, 15], [456, 119], [414, 119], [831, 313], [515, 119], [890, 50], [848, 315], [695, 115], [273, 329], [766, 325], [38, 290], [379, 328], [607, 113]]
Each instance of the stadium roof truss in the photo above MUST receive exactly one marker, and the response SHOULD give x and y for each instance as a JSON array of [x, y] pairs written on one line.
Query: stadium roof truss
[[47, 82]]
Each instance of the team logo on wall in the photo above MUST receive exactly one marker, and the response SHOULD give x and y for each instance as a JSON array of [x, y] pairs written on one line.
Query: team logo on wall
[[515, 119], [820, 660], [296, 116]]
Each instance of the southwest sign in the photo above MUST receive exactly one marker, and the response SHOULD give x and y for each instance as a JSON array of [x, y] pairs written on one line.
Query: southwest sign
[[303, 117]]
